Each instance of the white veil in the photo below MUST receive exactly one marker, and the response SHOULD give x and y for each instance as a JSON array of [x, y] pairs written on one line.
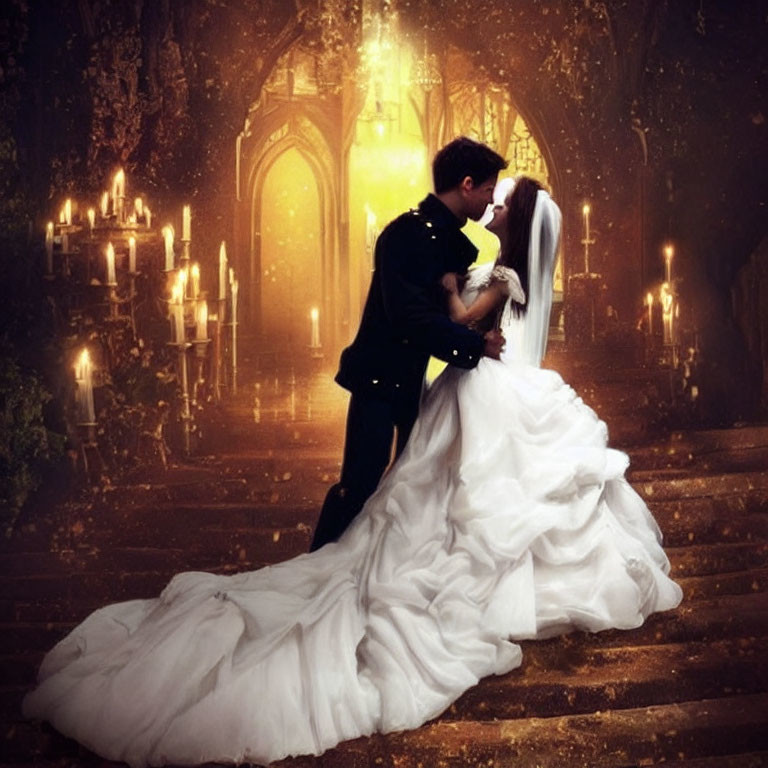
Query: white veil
[[527, 333]]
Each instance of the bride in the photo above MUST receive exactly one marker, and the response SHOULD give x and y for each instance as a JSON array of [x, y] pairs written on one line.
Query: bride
[[506, 517]]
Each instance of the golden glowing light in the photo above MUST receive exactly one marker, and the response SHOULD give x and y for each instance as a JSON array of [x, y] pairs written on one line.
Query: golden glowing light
[[83, 364], [586, 209]]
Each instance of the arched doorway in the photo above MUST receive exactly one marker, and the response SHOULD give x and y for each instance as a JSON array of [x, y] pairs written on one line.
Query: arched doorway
[[291, 276]]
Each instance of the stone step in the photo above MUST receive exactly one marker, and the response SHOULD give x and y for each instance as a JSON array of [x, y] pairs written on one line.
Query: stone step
[[615, 739], [654, 486], [577, 678]]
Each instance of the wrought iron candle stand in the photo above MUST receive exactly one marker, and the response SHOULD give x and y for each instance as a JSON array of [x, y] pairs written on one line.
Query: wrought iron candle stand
[[186, 412], [233, 325], [132, 300], [90, 455], [201, 353], [218, 340], [185, 252]]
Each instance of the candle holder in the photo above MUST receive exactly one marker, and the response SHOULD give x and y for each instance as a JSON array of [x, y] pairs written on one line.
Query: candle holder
[[91, 462], [233, 325], [217, 350], [132, 299], [185, 252], [201, 354], [186, 412]]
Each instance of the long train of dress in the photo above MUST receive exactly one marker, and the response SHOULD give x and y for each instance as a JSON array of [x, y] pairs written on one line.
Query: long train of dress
[[507, 517]]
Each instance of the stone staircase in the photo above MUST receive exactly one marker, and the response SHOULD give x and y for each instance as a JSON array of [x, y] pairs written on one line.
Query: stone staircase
[[688, 688]]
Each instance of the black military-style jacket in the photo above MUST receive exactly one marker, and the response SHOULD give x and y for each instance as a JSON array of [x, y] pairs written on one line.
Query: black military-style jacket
[[405, 317]]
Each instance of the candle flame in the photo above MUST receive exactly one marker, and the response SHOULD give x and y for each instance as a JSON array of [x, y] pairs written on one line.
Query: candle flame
[[195, 271], [138, 205], [223, 251], [668, 251], [176, 292], [314, 314], [586, 209], [49, 229], [649, 299], [168, 233], [203, 313]]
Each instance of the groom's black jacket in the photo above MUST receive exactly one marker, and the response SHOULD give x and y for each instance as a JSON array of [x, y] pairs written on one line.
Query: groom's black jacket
[[405, 318]]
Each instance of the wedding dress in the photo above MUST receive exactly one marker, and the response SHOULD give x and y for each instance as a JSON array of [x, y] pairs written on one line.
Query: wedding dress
[[506, 517]]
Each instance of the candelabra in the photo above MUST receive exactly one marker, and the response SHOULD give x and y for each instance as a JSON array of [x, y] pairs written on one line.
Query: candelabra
[[201, 352], [181, 348]]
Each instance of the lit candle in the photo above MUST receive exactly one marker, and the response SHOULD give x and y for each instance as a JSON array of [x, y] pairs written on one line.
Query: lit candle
[[649, 302], [49, 248], [91, 219], [315, 331], [234, 300], [202, 320], [195, 273], [118, 194], [183, 281], [585, 211], [68, 212], [177, 312], [132, 255], [104, 205], [168, 238], [62, 216], [138, 207], [668, 253], [666, 308], [111, 265], [84, 395], [186, 223], [148, 216], [222, 271]]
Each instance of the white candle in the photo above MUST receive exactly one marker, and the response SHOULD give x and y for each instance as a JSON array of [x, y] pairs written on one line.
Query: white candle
[[649, 302], [223, 271], [315, 330], [183, 281], [148, 216], [234, 301], [118, 194], [91, 219], [202, 320], [666, 308], [111, 280], [668, 252], [49, 248], [168, 238], [104, 205], [186, 223], [138, 207], [195, 273], [132, 255], [177, 313], [84, 394], [586, 210], [68, 212], [62, 216]]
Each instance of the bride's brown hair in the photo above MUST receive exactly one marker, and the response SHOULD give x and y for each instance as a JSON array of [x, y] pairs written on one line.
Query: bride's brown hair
[[520, 203]]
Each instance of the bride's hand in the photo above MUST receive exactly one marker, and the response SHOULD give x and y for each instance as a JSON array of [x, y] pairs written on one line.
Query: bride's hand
[[450, 283]]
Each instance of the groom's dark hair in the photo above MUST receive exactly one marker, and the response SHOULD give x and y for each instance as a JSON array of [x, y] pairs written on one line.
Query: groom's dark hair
[[461, 158]]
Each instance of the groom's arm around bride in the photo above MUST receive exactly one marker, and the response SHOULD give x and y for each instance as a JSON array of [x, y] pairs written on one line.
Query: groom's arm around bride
[[405, 322]]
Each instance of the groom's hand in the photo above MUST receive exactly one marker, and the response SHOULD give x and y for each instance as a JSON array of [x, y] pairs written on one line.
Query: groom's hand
[[494, 344]]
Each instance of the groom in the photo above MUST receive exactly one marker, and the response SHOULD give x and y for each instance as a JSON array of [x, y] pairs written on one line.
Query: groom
[[405, 321]]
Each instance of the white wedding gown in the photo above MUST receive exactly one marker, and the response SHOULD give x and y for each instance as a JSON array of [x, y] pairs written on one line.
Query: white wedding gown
[[506, 518]]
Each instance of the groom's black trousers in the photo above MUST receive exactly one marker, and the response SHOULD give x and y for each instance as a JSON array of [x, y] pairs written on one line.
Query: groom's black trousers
[[371, 425]]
